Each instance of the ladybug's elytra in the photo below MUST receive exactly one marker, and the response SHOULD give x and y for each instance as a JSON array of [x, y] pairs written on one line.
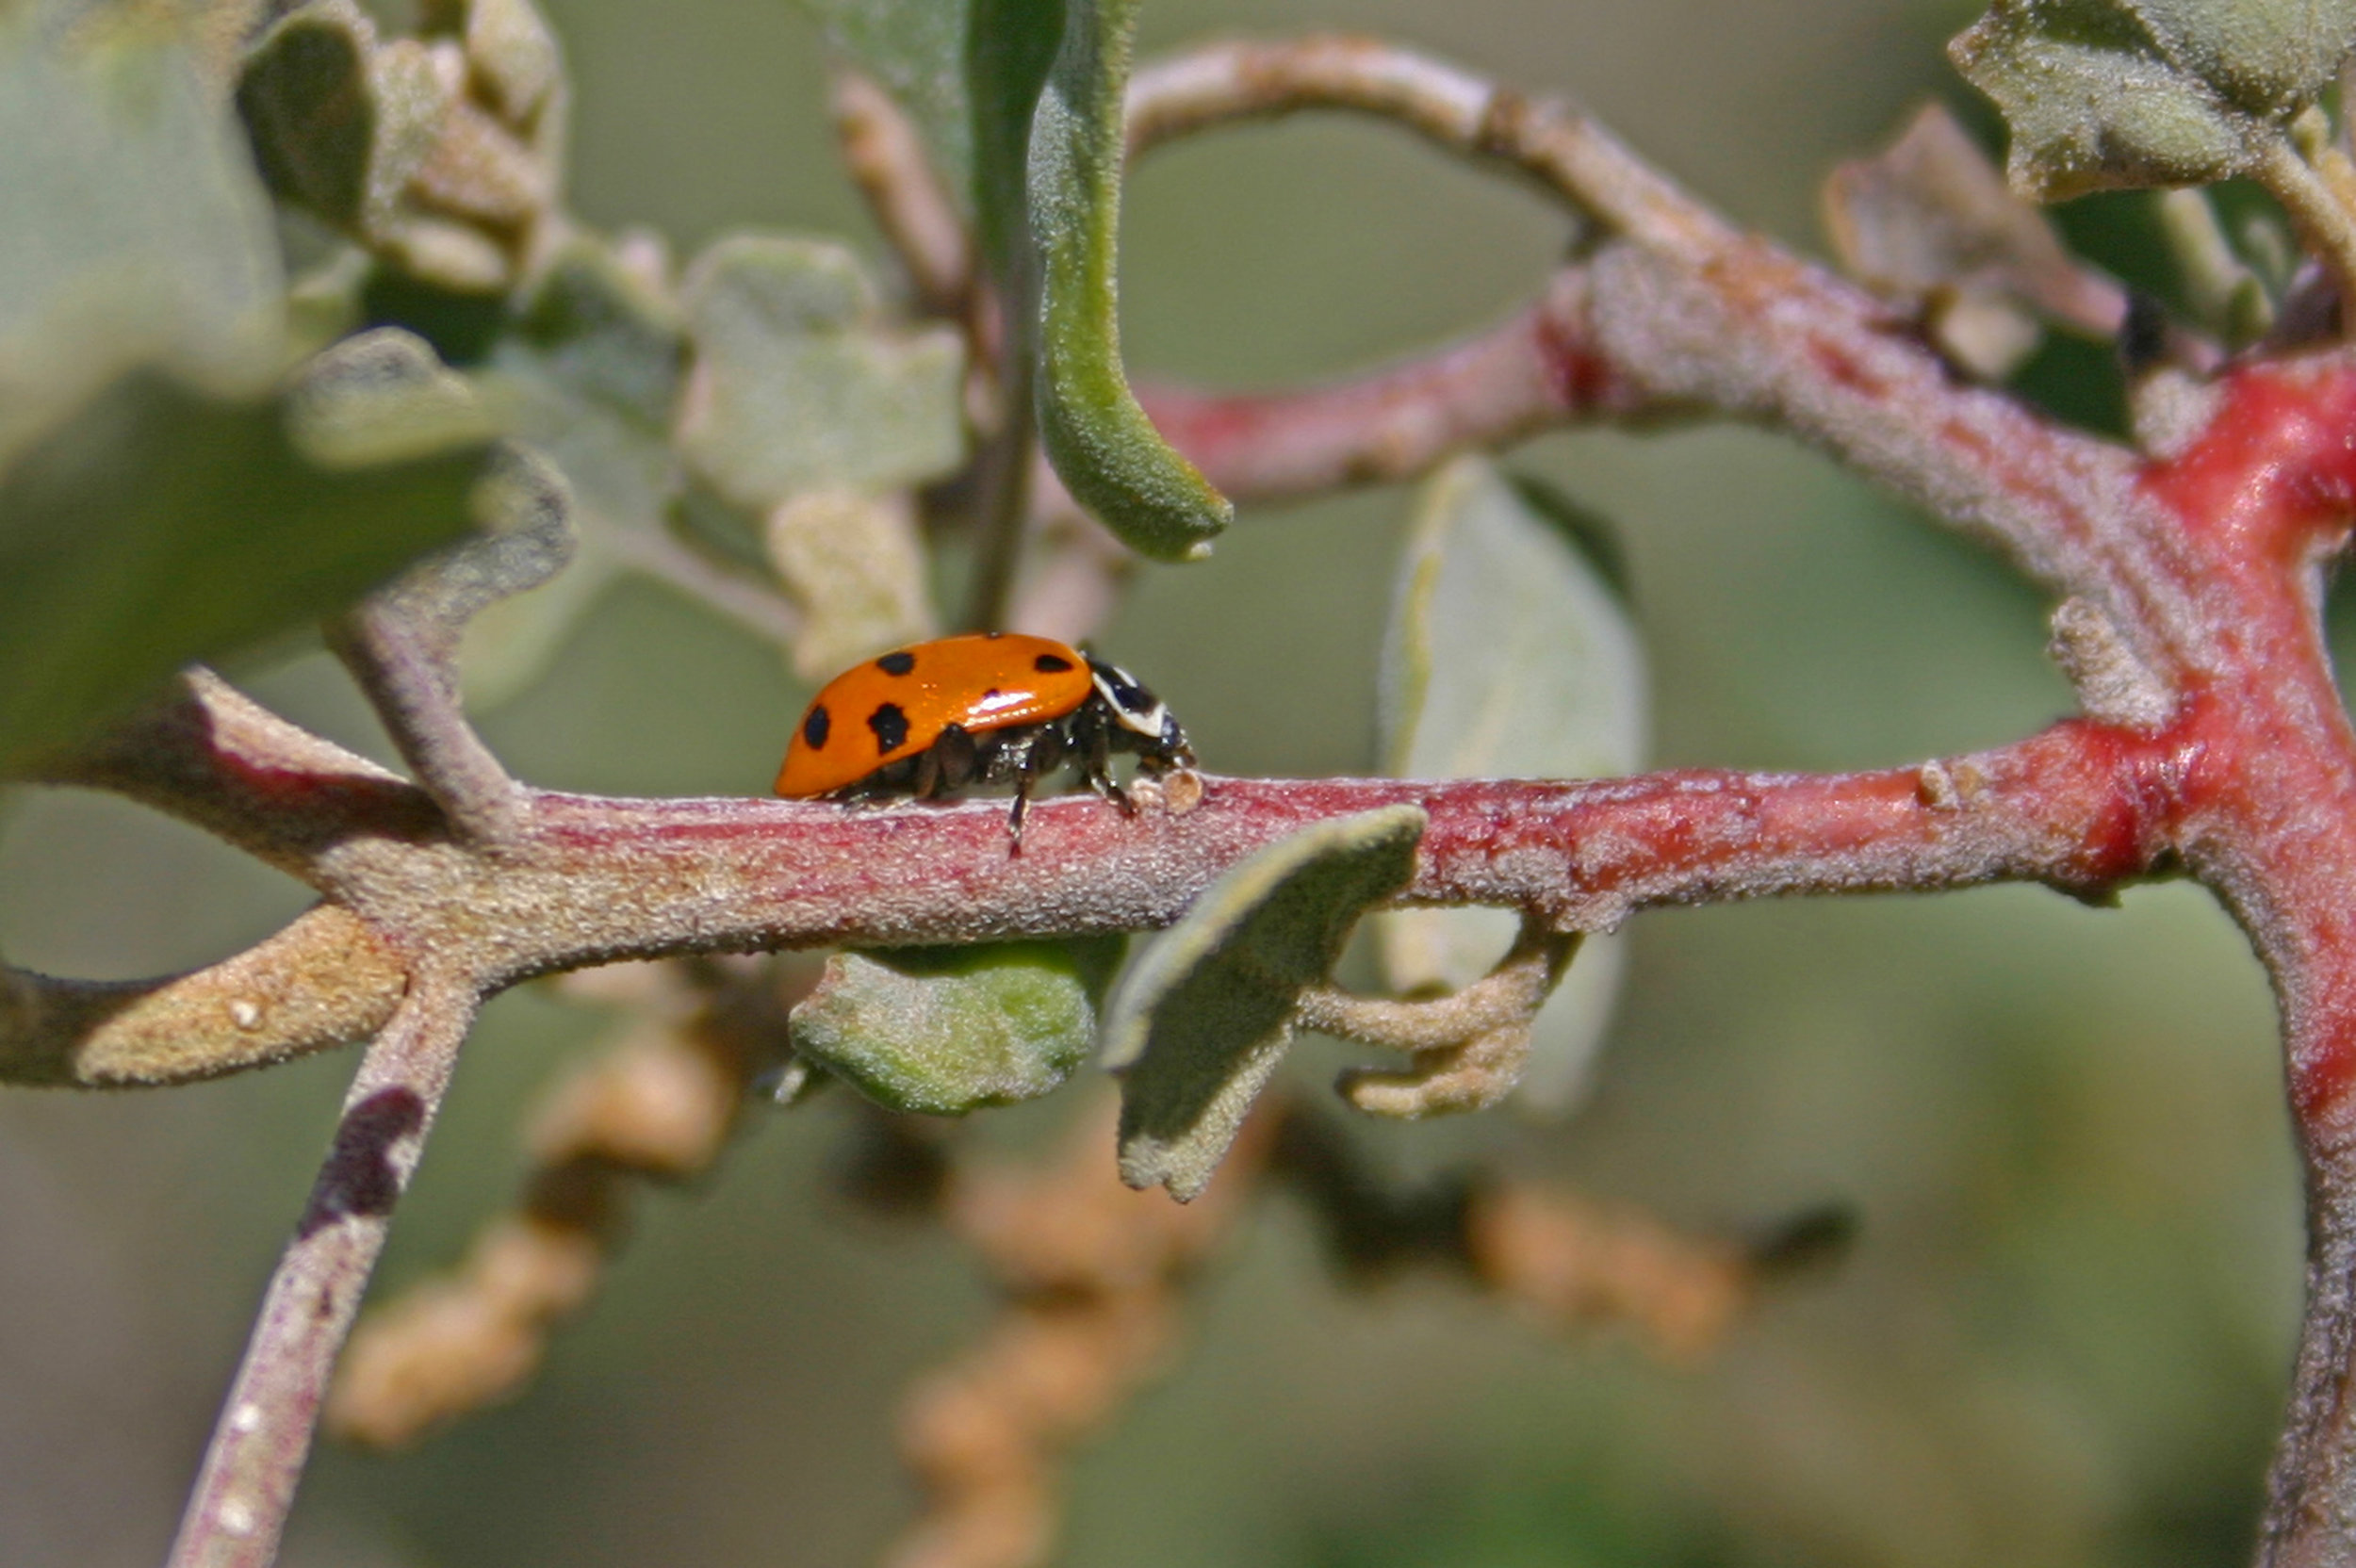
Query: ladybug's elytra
[[930, 718]]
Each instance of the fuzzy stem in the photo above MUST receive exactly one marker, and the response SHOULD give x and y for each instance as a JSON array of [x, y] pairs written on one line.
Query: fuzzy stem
[[2327, 227], [238, 1508]]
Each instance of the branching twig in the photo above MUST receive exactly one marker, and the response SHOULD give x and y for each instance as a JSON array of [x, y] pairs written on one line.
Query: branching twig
[[1684, 313]]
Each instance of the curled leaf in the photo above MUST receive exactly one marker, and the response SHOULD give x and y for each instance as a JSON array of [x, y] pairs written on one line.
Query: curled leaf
[[948, 1030], [1208, 1010], [1106, 450], [1510, 653], [440, 153]]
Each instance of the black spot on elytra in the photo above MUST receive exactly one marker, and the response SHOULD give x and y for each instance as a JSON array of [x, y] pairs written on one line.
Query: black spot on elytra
[[992, 694], [897, 663], [1051, 663], [359, 1179], [890, 727], [815, 727]]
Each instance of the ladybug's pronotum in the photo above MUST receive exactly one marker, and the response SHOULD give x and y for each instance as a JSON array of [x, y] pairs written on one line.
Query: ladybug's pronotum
[[930, 718]]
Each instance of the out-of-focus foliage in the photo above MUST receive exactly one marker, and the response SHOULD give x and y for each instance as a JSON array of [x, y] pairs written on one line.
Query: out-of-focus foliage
[[948, 1030], [1205, 1014], [440, 153], [1510, 654], [136, 232], [588, 373], [796, 385]]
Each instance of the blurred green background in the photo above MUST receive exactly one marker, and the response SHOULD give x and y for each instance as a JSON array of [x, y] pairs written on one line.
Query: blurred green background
[[2060, 1339]]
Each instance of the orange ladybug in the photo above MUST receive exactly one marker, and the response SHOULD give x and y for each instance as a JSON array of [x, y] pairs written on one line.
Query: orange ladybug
[[930, 718]]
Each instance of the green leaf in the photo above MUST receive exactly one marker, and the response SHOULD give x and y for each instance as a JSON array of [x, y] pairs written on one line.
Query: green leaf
[[1106, 450], [135, 231], [1207, 1011], [159, 526], [799, 385], [2103, 94], [948, 1030], [1510, 653], [2264, 57]]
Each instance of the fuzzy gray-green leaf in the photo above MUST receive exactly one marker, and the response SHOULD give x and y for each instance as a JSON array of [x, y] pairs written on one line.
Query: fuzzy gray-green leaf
[[1206, 1013], [1510, 653], [2103, 95], [340, 125], [799, 385], [948, 1030], [2266, 56]]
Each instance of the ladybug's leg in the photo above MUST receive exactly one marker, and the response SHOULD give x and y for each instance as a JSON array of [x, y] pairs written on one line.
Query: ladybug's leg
[[948, 764], [1098, 765], [1038, 752]]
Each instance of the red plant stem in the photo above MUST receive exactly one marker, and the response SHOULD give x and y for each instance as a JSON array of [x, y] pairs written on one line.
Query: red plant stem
[[2260, 498]]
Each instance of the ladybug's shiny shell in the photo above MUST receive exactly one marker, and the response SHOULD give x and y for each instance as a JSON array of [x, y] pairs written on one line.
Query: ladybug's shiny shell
[[895, 707]]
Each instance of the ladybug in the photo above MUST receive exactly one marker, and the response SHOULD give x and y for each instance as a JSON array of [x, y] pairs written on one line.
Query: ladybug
[[930, 718]]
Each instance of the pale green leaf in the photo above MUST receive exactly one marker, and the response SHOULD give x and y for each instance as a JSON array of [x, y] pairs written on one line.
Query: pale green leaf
[[799, 385], [948, 1030], [136, 232], [1510, 654], [1206, 1013]]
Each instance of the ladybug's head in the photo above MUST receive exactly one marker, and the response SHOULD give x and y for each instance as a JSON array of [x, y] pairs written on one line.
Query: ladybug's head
[[1151, 727]]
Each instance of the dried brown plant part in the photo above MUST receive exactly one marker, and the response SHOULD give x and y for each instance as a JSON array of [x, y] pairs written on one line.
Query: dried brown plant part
[[658, 1106], [1930, 223], [1569, 1262], [1574, 1264], [1470, 1046], [1094, 1278]]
